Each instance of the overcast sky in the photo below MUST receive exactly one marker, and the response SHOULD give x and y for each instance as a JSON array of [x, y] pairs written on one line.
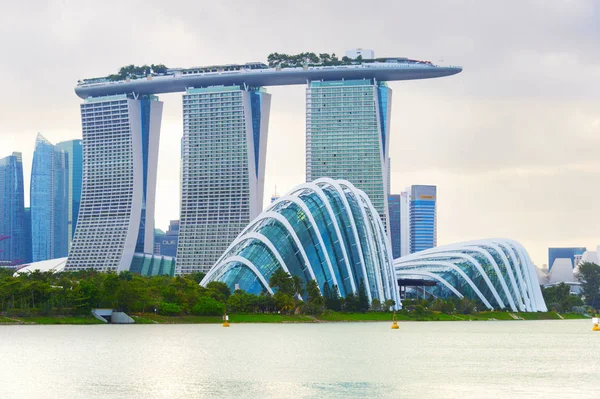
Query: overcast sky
[[512, 142]]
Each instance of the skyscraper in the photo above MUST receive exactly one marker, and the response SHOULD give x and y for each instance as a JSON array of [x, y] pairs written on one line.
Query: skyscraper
[[120, 154], [347, 135], [423, 226], [394, 224], [74, 152], [49, 197], [223, 164], [12, 211], [27, 239], [405, 222]]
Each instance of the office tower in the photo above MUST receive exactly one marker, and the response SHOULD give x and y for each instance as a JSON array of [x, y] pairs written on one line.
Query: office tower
[[223, 164], [27, 240], [12, 211], [395, 224], [74, 152], [405, 222], [347, 135], [574, 254], [165, 243], [120, 155], [49, 198], [423, 226]]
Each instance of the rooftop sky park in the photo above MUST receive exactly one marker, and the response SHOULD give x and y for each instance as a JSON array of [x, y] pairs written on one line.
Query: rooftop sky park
[[281, 70]]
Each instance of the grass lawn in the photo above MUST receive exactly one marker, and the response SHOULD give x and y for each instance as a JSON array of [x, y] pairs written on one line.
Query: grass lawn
[[60, 320]]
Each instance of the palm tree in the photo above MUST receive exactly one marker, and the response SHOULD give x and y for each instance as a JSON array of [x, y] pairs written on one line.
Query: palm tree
[[297, 282]]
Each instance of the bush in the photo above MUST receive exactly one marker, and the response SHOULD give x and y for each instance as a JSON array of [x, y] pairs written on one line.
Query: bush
[[169, 309], [554, 307], [207, 306], [579, 309]]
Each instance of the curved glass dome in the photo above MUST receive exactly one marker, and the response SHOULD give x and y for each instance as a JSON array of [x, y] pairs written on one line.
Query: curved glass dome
[[326, 231], [497, 272]]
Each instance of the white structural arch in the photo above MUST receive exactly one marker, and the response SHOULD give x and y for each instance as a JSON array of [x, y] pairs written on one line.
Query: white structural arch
[[507, 258]]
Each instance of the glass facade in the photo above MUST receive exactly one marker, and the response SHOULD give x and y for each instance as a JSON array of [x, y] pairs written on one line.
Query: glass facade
[[394, 224], [496, 273], [49, 197], [222, 174], [13, 236], [326, 231], [120, 157], [74, 151], [423, 220], [347, 135]]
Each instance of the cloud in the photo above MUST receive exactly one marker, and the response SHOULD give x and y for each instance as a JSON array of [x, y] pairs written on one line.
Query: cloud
[[511, 141]]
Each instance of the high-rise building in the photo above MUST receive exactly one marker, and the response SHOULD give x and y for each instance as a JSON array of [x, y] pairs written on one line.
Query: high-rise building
[[423, 226], [120, 155], [13, 241], [49, 201], [405, 222], [74, 152], [28, 249], [394, 224], [574, 254], [165, 244], [223, 164], [347, 135]]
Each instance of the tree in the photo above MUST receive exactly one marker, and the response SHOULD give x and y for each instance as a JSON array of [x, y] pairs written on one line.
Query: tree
[[220, 287], [314, 294], [297, 282], [282, 280], [376, 304], [283, 302], [363, 299], [388, 304], [589, 277], [207, 306], [351, 303]]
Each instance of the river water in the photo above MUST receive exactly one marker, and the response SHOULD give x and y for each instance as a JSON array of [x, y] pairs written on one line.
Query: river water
[[497, 359]]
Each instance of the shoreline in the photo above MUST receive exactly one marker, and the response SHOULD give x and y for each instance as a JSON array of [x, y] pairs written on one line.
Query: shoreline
[[261, 318]]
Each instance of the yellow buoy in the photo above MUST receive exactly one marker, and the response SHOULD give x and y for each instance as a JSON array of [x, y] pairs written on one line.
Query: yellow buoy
[[225, 320], [596, 321], [395, 325]]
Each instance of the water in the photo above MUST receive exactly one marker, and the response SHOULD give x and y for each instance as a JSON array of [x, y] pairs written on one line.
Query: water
[[515, 359]]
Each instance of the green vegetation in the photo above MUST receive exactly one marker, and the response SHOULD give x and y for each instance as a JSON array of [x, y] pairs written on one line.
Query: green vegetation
[[589, 277], [68, 297], [137, 72], [559, 299], [309, 59]]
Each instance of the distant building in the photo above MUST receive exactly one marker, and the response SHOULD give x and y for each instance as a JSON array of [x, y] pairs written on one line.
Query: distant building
[[394, 201], [49, 201], [166, 243], [275, 196], [423, 225], [74, 151], [574, 255], [28, 254], [405, 222], [13, 241]]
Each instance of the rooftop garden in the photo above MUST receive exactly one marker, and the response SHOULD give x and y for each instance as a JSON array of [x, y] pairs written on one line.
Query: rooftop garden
[[302, 59], [134, 71]]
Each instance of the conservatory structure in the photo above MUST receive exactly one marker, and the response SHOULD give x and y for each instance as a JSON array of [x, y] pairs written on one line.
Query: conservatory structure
[[326, 231], [498, 273]]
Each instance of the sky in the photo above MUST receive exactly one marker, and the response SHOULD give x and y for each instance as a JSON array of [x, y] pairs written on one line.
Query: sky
[[511, 142]]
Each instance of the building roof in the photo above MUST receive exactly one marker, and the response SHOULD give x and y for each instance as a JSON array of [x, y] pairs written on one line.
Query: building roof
[[381, 71]]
